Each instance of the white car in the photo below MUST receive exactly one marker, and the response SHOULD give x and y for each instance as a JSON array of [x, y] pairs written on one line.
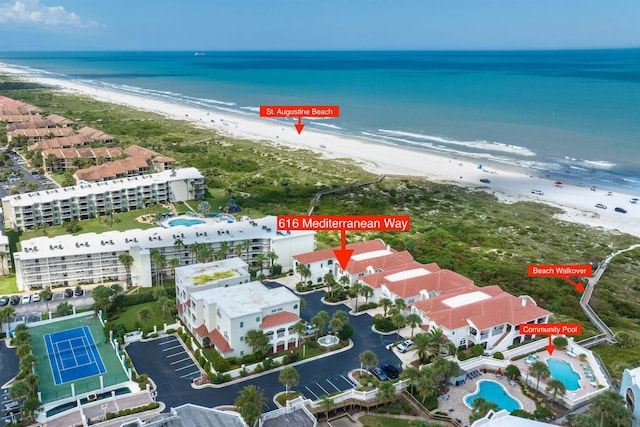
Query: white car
[[35, 297], [26, 299], [404, 346], [538, 192]]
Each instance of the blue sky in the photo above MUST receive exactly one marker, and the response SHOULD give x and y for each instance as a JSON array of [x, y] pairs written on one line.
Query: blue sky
[[317, 25]]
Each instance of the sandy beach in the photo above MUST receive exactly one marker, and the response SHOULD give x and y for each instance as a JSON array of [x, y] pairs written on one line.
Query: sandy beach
[[577, 201]]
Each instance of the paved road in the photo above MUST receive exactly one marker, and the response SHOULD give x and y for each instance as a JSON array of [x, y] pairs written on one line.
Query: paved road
[[9, 366], [21, 182], [321, 376]]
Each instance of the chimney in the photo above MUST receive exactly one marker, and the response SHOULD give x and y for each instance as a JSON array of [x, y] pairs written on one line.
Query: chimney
[[524, 302]]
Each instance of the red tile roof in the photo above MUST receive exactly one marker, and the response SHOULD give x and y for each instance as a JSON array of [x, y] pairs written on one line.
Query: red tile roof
[[57, 132], [95, 134], [179, 308], [500, 308], [216, 338], [376, 279], [278, 319], [85, 153], [440, 282], [384, 262], [188, 303], [112, 170], [327, 254], [62, 142]]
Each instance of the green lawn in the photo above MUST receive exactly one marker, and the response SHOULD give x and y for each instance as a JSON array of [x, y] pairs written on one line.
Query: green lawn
[[380, 421], [129, 317], [123, 221], [8, 285]]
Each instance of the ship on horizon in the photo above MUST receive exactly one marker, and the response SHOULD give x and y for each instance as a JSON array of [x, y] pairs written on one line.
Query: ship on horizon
[[199, 54]]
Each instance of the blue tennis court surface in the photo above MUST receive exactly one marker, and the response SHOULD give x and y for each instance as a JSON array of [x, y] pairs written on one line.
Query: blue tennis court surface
[[73, 355]]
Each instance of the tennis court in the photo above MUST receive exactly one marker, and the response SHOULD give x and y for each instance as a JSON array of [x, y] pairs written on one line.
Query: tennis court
[[73, 355]]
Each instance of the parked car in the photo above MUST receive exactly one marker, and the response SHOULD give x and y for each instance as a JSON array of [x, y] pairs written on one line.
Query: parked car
[[621, 210], [14, 300], [68, 293], [35, 297], [538, 192], [26, 299], [404, 346], [311, 329], [390, 370], [79, 291], [600, 206], [378, 373], [4, 301], [485, 180]]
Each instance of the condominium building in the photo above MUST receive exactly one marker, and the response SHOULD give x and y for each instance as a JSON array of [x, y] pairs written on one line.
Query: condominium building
[[215, 302], [39, 134], [53, 207], [95, 258], [5, 254]]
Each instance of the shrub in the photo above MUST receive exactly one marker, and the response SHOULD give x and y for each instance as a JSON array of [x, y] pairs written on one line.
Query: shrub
[[346, 332], [431, 403], [560, 342], [512, 371], [498, 355], [382, 410], [248, 359], [477, 350], [170, 331], [383, 324], [394, 411]]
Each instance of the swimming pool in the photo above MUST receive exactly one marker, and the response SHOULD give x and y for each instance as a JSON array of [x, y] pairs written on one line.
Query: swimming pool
[[563, 371], [185, 222], [494, 392]]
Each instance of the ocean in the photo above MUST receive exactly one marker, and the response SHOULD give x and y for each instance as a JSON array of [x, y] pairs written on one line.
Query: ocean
[[572, 115]]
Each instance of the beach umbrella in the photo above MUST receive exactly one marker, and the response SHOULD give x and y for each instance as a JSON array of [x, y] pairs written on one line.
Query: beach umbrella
[[500, 370]]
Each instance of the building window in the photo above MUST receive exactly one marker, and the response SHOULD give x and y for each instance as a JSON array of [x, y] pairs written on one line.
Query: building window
[[241, 338], [218, 313], [258, 319], [242, 324], [319, 279], [330, 262]]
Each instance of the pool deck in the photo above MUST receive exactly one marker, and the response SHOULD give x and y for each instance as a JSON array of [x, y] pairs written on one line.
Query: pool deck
[[458, 393], [586, 387]]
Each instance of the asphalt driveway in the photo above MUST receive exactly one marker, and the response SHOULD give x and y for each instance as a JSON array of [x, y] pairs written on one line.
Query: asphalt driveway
[[317, 377]]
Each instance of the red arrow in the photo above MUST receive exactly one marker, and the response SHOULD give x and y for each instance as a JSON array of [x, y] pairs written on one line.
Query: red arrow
[[578, 286], [299, 127], [550, 347], [343, 254]]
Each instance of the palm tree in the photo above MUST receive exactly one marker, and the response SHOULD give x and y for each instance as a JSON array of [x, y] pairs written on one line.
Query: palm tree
[[400, 303], [19, 389], [439, 343], [249, 403], [23, 350], [126, 260], [6, 314], [386, 392], [607, 404], [257, 340], [539, 369], [169, 306], [414, 320], [30, 406], [45, 294], [410, 374], [289, 377], [427, 384], [556, 387], [304, 272], [330, 282], [385, 303], [27, 362], [342, 316], [178, 243], [260, 259], [319, 320], [480, 408], [344, 280], [327, 403], [224, 250], [272, 256], [368, 359], [3, 255], [300, 328], [194, 248], [64, 309], [366, 292], [173, 264], [422, 344], [356, 289], [399, 321], [247, 246]]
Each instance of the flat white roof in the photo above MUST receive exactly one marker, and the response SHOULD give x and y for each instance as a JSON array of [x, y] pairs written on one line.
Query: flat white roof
[[409, 274], [372, 254], [249, 298], [158, 237], [232, 264], [65, 193], [464, 299]]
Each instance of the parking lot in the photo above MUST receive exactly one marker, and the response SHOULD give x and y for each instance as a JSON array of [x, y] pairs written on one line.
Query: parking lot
[[328, 386], [178, 359], [20, 182], [9, 415]]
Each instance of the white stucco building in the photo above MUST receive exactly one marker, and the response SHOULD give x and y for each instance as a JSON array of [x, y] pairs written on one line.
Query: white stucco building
[[630, 391], [95, 258], [54, 207], [217, 301]]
